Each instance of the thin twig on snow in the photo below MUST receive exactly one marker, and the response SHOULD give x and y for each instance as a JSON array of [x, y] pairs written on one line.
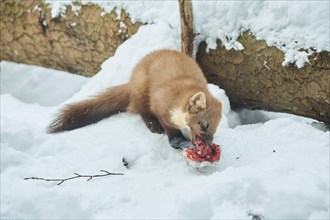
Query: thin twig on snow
[[77, 175]]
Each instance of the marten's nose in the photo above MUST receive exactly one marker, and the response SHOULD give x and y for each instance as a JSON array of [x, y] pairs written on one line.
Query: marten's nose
[[207, 139]]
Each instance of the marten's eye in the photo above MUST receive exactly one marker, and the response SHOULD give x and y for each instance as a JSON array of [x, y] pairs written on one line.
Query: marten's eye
[[203, 127]]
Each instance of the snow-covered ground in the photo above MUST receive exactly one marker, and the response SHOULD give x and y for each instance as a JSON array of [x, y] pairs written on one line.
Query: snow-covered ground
[[272, 165]]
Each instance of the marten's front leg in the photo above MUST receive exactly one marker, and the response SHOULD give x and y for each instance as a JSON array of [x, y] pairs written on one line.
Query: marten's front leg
[[176, 138], [152, 123]]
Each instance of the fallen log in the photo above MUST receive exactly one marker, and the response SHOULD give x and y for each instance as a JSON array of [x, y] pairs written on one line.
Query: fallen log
[[254, 78], [81, 40], [77, 42]]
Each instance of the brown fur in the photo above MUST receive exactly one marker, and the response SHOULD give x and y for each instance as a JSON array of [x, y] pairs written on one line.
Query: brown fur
[[87, 112], [163, 81]]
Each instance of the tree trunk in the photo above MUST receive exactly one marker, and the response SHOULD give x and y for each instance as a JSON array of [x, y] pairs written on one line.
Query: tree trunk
[[187, 27], [78, 42], [254, 78]]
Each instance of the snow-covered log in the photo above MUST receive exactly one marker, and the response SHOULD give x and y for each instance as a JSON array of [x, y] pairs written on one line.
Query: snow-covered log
[[255, 78], [78, 41], [85, 35]]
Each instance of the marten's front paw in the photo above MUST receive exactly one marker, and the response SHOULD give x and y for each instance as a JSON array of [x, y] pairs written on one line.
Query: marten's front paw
[[180, 143]]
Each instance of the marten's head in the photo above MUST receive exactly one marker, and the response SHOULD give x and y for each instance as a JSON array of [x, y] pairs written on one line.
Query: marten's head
[[203, 117]]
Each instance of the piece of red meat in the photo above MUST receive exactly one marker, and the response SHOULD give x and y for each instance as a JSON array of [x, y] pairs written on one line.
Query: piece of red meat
[[202, 152]]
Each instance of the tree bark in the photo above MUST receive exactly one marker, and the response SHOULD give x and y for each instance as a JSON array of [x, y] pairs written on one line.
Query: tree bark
[[187, 27], [77, 42], [254, 78]]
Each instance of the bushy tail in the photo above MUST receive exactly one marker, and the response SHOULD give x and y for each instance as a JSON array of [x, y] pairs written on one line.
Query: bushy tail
[[77, 115]]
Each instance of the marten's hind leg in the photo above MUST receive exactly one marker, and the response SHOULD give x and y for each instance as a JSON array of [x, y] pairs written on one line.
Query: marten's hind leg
[[140, 97], [142, 108]]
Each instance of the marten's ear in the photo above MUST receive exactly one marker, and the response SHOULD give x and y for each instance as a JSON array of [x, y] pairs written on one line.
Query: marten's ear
[[197, 102]]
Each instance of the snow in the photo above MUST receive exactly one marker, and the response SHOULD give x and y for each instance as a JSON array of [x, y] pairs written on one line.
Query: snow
[[288, 25], [273, 165], [33, 83]]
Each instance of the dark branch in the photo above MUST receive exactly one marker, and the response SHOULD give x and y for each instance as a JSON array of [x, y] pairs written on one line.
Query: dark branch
[[77, 175], [125, 162]]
